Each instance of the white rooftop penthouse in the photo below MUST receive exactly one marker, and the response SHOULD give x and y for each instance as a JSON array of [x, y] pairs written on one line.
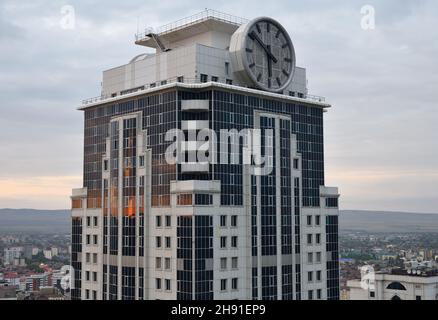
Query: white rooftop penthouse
[[190, 50]]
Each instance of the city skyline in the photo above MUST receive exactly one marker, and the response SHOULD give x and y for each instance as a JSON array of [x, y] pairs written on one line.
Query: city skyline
[[378, 80]]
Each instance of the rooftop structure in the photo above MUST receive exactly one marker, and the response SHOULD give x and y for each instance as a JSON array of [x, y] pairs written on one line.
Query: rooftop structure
[[203, 22], [397, 284]]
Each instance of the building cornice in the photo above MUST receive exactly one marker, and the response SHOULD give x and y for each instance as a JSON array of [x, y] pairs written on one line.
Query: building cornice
[[207, 85]]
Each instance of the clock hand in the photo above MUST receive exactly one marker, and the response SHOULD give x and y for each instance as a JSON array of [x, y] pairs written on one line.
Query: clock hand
[[269, 63], [253, 36]]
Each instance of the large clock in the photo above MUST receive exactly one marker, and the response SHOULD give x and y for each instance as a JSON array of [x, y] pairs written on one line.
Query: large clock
[[262, 55]]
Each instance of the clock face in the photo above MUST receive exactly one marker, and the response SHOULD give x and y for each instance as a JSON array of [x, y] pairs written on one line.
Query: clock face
[[267, 54]]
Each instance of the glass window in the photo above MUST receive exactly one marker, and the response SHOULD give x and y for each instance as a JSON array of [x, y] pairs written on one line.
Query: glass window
[[318, 220], [234, 283], [223, 284], [223, 221], [167, 263], [309, 239], [168, 288], [296, 164], [309, 220], [158, 221], [318, 257], [234, 221], [157, 263], [234, 263], [158, 242], [223, 263], [158, 283], [234, 241], [184, 199], [318, 238], [168, 242], [168, 221], [204, 78], [223, 242]]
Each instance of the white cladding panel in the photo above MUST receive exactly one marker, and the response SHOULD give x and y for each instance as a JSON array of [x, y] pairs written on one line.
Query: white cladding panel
[[187, 61]]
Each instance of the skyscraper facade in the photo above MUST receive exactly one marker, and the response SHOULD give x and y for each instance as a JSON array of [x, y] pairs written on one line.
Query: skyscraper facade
[[253, 218]]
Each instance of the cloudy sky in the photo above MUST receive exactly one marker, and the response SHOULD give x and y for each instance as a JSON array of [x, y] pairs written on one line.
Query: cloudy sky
[[381, 134]]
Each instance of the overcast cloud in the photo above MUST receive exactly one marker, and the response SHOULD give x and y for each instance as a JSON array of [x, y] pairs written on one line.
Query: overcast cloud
[[381, 147]]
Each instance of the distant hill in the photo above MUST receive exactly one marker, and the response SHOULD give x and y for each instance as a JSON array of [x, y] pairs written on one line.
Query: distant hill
[[58, 221], [34, 221], [384, 221]]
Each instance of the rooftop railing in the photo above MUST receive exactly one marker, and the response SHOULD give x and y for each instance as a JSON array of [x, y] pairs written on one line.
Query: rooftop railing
[[201, 16], [185, 80]]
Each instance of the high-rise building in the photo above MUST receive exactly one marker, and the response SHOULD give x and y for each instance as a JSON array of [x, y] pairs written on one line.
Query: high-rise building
[[204, 172], [12, 253]]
